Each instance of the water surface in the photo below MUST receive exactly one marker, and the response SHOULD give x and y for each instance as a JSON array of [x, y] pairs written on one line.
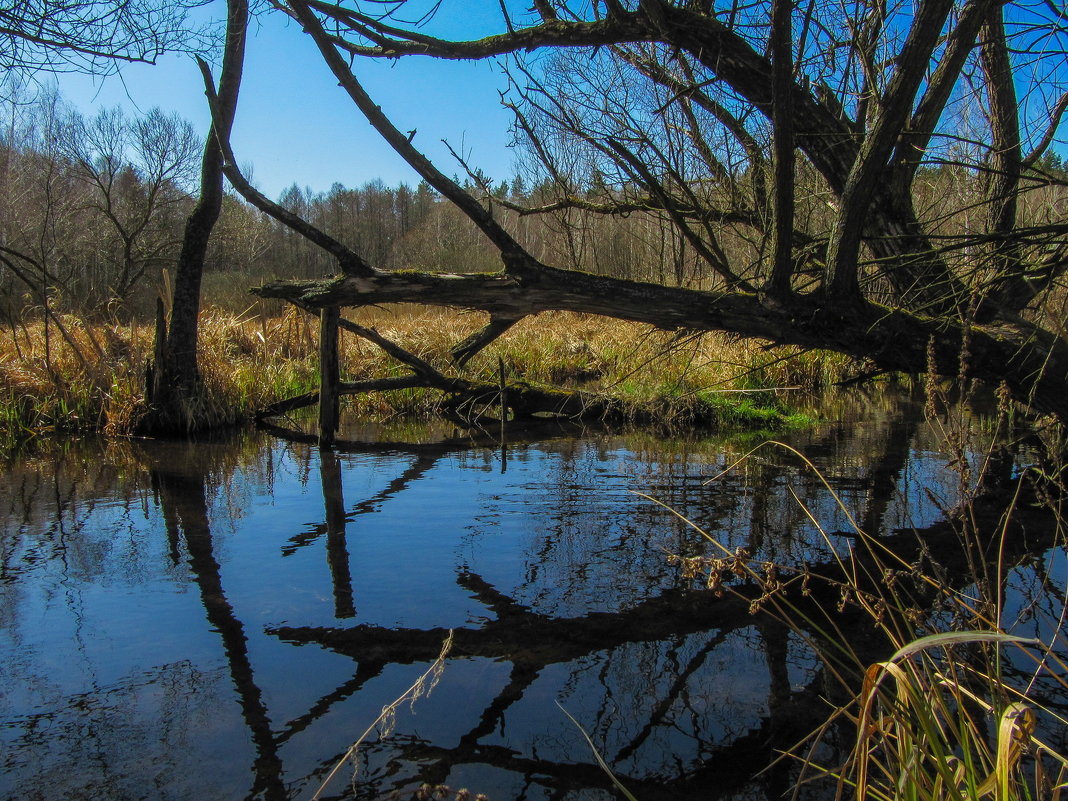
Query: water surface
[[221, 620]]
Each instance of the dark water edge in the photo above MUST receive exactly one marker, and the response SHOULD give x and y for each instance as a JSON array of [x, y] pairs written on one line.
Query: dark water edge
[[221, 620]]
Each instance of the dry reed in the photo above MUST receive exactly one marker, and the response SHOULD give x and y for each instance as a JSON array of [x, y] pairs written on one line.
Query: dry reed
[[68, 375]]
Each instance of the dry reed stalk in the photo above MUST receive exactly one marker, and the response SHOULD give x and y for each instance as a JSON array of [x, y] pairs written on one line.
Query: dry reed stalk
[[387, 718]]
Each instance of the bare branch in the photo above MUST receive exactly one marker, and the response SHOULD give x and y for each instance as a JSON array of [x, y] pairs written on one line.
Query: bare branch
[[1055, 116], [391, 42], [896, 103], [348, 260], [400, 143], [959, 44], [94, 36], [463, 351]]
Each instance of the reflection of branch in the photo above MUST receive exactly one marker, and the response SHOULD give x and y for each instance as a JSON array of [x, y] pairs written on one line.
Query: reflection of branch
[[558, 776], [663, 706], [384, 722], [723, 772], [504, 606], [523, 636], [364, 673], [423, 462], [530, 641], [536, 430], [527, 637], [519, 681]]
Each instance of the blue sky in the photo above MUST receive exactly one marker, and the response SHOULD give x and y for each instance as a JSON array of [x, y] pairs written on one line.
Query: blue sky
[[295, 125]]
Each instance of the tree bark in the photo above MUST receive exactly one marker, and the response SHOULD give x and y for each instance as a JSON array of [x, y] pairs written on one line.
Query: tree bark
[[178, 378], [1011, 288], [782, 229], [1032, 362]]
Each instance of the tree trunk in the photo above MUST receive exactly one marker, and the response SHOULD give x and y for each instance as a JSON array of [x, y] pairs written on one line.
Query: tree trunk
[[177, 379], [1011, 287], [782, 229], [329, 376], [1032, 362]]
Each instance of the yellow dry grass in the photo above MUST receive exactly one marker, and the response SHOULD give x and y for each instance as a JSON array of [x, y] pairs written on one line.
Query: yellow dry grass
[[70, 375]]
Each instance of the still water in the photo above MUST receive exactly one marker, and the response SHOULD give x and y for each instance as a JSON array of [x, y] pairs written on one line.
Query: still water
[[221, 620]]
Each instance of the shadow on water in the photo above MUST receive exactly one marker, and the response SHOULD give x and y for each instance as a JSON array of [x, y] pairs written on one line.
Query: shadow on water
[[220, 620]]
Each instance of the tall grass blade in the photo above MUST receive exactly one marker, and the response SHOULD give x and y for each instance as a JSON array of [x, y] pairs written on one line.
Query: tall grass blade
[[597, 756]]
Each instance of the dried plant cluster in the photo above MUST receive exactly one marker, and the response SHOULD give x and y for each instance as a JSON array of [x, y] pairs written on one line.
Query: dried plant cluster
[[71, 374], [962, 704]]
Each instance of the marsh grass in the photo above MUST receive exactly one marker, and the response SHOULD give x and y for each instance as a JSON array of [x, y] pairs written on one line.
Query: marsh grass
[[71, 375], [954, 713]]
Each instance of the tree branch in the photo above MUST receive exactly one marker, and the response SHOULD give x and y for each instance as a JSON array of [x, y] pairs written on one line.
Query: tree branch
[[1032, 362], [348, 260], [463, 351], [400, 143]]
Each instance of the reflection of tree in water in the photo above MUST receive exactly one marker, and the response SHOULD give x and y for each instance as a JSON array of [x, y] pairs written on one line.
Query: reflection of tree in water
[[71, 532], [84, 754], [658, 638], [581, 553], [688, 694], [185, 509], [662, 650]]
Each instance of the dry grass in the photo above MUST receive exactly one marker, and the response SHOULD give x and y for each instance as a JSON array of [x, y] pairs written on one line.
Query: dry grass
[[564, 348], [70, 376], [956, 712]]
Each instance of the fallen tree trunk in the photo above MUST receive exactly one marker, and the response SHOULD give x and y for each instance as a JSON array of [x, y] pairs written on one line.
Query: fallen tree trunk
[[1030, 361], [477, 403]]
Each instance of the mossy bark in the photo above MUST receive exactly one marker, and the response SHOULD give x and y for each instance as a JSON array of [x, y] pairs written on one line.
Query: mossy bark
[[1030, 361]]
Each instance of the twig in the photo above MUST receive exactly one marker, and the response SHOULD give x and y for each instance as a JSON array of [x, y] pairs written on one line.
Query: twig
[[386, 719]]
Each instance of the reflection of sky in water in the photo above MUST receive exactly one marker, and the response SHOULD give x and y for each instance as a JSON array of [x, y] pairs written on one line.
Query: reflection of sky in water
[[116, 682]]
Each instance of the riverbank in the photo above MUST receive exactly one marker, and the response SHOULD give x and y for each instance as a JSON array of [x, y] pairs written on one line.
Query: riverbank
[[70, 375]]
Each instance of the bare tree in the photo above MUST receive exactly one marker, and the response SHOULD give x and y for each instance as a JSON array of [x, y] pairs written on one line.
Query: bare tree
[[89, 207], [137, 172], [43, 226], [673, 105], [93, 36]]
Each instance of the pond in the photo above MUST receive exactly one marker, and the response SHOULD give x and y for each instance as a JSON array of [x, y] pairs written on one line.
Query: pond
[[222, 620]]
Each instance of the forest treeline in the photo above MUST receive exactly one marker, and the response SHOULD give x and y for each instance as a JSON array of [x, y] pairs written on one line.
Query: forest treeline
[[92, 210]]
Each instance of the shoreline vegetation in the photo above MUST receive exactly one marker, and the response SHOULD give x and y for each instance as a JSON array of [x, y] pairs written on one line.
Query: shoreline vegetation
[[673, 156], [73, 375]]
